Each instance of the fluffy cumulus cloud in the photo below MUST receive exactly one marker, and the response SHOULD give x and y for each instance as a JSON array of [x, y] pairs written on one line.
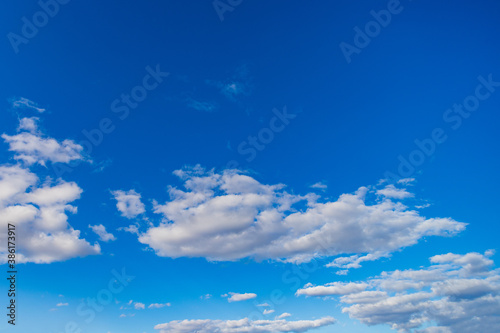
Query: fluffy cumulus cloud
[[129, 203], [242, 325], [456, 293], [229, 215], [39, 212], [31, 146]]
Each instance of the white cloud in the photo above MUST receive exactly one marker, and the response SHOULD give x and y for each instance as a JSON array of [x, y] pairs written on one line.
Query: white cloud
[[242, 325], [228, 216], [133, 229], [235, 297], [206, 296], [158, 305], [28, 124], [406, 181], [284, 315], [129, 203], [31, 146], [263, 304], [334, 288], [62, 304], [390, 191], [268, 311], [319, 186], [40, 214], [201, 105], [139, 305], [24, 103], [39, 211], [354, 261], [457, 293], [100, 230]]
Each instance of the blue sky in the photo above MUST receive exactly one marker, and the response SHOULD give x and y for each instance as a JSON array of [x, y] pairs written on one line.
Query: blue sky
[[235, 166]]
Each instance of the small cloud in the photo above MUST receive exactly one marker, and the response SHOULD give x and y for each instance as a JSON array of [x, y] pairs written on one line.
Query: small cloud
[[390, 191], [133, 229], [263, 304], [158, 305], [24, 103], [406, 181], [128, 203], [100, 230], [235, 297], [319, 185], [99, 167], [284, 315], [423, 206], [28, 124], [62, 304], [201, 106], [139, 305], [268, 311], [206, 296]]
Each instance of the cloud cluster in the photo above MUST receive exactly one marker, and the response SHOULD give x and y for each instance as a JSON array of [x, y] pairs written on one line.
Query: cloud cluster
[[456, 293], [242, 325], [31, 146], [229, 215], [38, 210]]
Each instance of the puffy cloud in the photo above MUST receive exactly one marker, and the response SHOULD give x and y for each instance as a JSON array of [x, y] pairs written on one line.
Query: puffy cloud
[[39, 211], [40, 216], [139, 305], [100, 230], [129, 203], [31, 146], [457, 293], [390, 191], [242, 325], [268, 311], [28, 124], [229, 215], [235, 297]]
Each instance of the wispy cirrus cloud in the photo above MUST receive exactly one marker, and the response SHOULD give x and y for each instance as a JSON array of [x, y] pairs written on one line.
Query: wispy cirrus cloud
[[24, 103]]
